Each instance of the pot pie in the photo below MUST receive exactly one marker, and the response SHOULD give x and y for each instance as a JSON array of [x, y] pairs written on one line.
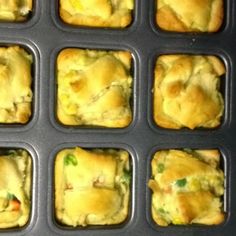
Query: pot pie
[[94, 87], [190, 16], [15, 10], [15, 85], [97, 13], [187, 187], [92, 187], [186, 91], [15, 188]]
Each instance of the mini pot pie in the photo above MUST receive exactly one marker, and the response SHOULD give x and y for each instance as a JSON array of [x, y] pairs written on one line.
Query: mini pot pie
[[187, 91], [97, 13], [94, 88], [15, 10], [190, 16], [15, 85], [15, 188], [92, 187], [187, 187]]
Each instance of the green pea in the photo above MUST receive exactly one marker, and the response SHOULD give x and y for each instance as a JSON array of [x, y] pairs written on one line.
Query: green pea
[[70, 159], [161, 210], [160, 168], [181, 182]]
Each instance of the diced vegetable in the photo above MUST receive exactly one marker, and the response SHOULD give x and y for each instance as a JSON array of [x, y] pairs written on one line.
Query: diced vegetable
[[160, 168], [15, 205], [181, 182], [70, 159], [10, 196], [126, 177], [161, 210]]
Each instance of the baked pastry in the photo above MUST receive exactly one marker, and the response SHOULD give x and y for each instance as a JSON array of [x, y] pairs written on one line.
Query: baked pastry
[[15, 188], [190, 16], [15, 10], [186, 91], [94, 87], [97, 13], [92, 187], [15, 85], [187, 187]]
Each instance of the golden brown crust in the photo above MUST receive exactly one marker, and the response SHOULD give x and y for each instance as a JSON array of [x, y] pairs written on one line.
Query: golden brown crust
[[15, 85], [92, 187], [190, 16], [186, 91], [15, 10], [187, 187], [15, 188], [94, 88], [97, 13]]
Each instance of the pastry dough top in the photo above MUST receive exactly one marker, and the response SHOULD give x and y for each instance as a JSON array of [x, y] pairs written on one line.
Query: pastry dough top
[[94, 87], [187, 187], [186, 91], [92, 187], [15, 10], [15, 184], [97, 13], [15, 85], [190, 15]]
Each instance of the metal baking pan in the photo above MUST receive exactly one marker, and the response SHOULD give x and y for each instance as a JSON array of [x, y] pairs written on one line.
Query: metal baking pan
[[44, 35]]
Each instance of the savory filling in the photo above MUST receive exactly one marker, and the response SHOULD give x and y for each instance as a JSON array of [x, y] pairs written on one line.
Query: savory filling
[[187, 187], [94, 88], [15, 182], [15, 85], [111, 13], [9, 202], [94, 187], [15, 10]]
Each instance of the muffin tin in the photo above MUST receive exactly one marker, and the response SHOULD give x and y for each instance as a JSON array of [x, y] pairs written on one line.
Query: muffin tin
[[44, 35]]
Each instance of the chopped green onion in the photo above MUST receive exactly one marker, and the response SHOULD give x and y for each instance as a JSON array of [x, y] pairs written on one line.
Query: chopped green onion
[[181, 182], [160, 168], [70, 159]]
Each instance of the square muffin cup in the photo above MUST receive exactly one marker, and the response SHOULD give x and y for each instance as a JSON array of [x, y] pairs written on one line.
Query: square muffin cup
[[96, 128], [186, 91], [15, 147], [32, 51], [76, 27], [183, 21], [94, 88], [111, 15], [225, 199], [224, 89], [224, 25], [58, 226], [31, 18]]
